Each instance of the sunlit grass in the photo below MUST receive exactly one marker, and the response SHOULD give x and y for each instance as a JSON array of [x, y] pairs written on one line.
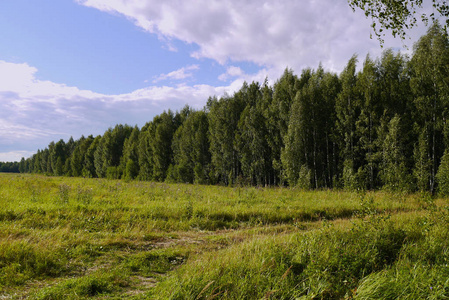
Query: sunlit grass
[[79, 238]]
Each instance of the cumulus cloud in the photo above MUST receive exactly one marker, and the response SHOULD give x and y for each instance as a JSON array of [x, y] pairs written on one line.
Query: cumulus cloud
[[273, 34], [34, 112]]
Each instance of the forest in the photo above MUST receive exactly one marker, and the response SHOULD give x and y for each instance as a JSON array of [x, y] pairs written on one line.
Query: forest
[[383, 125], [9, 167]]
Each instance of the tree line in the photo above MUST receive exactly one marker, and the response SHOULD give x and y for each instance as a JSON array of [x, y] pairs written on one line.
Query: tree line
[[384, 126], [9, 167]]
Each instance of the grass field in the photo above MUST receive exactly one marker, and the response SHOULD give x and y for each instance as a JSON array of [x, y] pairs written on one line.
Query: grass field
[[74, 238]]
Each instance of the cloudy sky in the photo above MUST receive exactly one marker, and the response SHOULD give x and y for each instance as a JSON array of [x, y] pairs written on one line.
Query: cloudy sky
[[78, 67]]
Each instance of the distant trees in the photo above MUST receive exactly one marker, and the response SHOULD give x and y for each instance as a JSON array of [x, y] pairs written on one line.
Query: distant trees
[[129, 161], [224, 116], [251, 136], [383, 126], [430, 85], [10, 167], [190, 146], [309, 149], [284, 92], [109, 151]]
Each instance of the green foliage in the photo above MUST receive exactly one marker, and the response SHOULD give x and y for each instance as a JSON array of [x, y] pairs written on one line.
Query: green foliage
[[250, 139], [394, 173], [131, 170], [429, 83], [110, 150], [113, 173], [191, 149], [423, 163], [308, 139], [398, 16], [304, 178], [145, 153], [164, 128], [278, 115], [224, 116], [349, 178], [443, 174], [89, 170], [10, 167], [383, 127], [129, 159], [346, 108]]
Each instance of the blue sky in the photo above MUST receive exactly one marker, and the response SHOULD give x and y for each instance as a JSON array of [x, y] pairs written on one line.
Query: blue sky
[[78, 67], [84, 47]]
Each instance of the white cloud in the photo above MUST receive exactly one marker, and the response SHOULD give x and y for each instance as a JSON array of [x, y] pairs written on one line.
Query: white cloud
[[15, 76], [15, 155], [179, 74], [20, 78], [286, 33], [271, 34], [33, 112], [231, 71]]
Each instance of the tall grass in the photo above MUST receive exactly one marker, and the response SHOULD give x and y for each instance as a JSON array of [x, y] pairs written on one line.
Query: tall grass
[[79, 238], [370, 259]]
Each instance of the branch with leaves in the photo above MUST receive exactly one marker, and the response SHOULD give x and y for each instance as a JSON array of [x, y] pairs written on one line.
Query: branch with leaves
[[399, 16]]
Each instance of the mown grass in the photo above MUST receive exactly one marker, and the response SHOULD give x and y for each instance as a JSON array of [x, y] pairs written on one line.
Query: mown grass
[[74, 238]]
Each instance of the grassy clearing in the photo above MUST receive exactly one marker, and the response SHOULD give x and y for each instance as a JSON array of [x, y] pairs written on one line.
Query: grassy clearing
[[374, 258], [75, 238]]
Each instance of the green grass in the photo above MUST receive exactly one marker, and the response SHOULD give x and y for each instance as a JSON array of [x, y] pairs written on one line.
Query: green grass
[[74, 238]]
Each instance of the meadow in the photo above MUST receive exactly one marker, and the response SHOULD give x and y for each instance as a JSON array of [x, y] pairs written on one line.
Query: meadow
[[76, 238]]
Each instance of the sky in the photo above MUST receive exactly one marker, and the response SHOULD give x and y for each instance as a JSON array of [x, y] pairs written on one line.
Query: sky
[[78, 67]]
